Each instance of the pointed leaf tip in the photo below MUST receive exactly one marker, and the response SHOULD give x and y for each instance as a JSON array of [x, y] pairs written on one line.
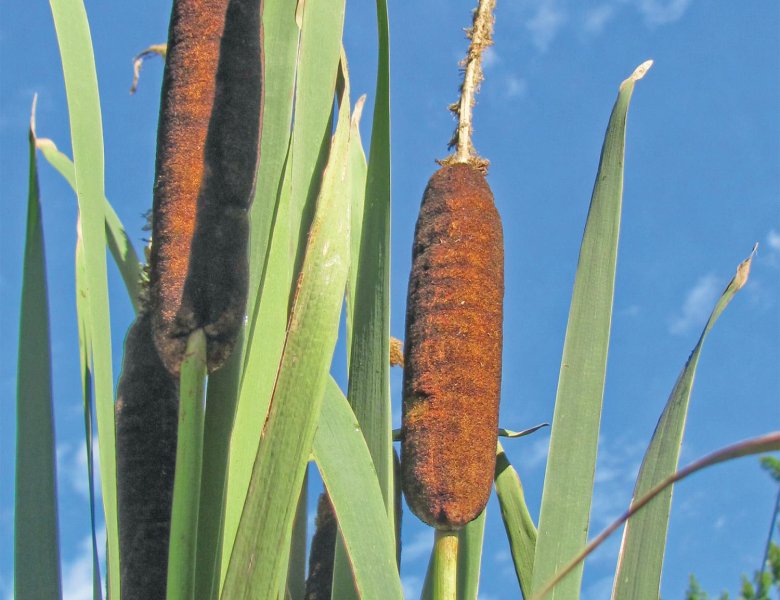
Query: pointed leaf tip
[[32, 114], [357, 110], [638, 73], [743, 270]]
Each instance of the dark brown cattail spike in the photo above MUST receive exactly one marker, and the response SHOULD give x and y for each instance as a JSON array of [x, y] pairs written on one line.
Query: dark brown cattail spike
[[207, 156], [323, 551], [452, 374], [146, 421]]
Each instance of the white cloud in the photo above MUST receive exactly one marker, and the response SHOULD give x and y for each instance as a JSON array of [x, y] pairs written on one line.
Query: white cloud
[[418, 548], [77, 573], [773, 240], [698, 304], [490, 58], [546, 22], [661, 12], [412, 586], [597, 18], [72, 467], [616, 470], [536, 455], [515, 87], [630, 311], [598, 590]]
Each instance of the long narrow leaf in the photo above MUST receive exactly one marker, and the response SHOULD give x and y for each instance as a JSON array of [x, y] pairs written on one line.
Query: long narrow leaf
[[568, 483], [369, 370], [317, 63], [182, 551], [519, 525], [119, 243], [85, 362], [345, 465], [641, 558], [256, 566], [769, 442], [221, 400], [86, 129], [36, 537]]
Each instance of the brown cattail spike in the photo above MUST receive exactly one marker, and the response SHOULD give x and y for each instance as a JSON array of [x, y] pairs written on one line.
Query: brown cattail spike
[[452, 375], [323, 551], [146, 422], [207, 151]]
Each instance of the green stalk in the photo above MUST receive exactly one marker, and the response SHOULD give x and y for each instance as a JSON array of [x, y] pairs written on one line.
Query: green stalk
[[186, 486], [445, 565]]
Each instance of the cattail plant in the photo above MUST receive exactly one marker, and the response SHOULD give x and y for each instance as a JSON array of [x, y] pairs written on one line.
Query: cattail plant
[[452, 373], [200, 496], [207, 152]]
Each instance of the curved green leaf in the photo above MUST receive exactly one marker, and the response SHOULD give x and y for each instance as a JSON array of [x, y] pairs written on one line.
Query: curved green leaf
[[86, 132], [118, 241], [519, 525], [345, 465], [641, 558], [765, 443]]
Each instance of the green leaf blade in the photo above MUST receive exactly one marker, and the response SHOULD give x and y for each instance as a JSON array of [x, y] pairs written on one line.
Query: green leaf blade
[[256, 567], [568, 485], [182, 551], [317, 64], [518, 523], [346, 465], [78, 65], [638, 574], [36, 535]]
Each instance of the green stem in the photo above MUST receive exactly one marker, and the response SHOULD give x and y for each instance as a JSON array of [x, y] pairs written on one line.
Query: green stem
[[445, 565], [189, 456]]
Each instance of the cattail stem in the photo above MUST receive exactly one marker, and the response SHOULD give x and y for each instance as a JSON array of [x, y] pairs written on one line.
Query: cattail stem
[[481, 36], [445, 565]]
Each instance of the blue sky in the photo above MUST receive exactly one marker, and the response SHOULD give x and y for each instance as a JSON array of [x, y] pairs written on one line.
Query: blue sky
[[702, 184]]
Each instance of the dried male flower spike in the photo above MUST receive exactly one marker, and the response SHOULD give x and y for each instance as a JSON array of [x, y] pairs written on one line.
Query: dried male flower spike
[[207, 152], [452, 377]]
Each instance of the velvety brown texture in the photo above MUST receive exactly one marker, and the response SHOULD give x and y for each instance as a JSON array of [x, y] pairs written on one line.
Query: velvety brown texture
[[207, 152], [452, 374], [146, 422], [323, 551]]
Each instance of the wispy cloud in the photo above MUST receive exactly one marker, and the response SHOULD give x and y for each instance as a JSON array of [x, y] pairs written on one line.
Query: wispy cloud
[[547, 18], [595, 19], [773, 240], [418, 548], [77, 573], [72, 467], [616, 470], [771, 255], [661, 12], [697, 305], [515, 87], [412, 586]]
